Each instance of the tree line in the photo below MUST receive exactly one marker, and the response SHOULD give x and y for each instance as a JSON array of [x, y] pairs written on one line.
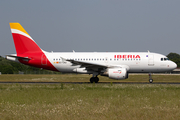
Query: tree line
[[175, 58], [10, 67]]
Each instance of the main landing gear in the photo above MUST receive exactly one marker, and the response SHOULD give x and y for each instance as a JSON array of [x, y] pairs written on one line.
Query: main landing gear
[[150, 78], [94, 79]]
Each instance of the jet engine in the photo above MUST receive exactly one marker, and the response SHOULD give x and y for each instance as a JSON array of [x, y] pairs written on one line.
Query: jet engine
[[82, 71], [118, 73]]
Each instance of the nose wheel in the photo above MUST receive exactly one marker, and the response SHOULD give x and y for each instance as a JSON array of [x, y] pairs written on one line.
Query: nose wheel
[[150, 78]]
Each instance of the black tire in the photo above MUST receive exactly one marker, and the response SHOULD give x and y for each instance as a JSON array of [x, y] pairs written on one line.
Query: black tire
[[96, 79], [91, 79]]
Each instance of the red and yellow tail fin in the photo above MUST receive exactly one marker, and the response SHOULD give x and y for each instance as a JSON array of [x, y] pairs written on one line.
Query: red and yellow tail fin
[[22, 40]]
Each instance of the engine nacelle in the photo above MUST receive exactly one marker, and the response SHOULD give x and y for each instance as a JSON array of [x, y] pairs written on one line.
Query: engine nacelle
[[82, 71], [118, 73]]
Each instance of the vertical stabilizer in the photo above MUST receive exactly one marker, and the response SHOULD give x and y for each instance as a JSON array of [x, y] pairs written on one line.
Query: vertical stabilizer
[[22, 40]]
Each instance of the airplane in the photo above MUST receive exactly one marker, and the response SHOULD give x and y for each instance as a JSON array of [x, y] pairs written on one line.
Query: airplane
[[115, 65]]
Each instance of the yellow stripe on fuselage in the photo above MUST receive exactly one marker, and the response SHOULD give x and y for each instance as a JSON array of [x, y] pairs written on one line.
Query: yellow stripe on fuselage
[[18, 26]]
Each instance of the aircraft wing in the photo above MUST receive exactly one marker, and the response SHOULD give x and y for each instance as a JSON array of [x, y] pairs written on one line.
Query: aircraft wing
[[88, 64], [94, 66]]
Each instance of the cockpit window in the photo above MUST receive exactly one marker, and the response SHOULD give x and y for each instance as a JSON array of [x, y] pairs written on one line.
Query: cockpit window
[[164, 59]]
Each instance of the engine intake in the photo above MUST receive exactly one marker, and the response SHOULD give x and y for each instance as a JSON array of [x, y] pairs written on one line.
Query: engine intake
[[118, 73]]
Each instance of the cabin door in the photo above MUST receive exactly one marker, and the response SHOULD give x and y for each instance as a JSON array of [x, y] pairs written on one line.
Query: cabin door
[[43, 59], [151, 60]]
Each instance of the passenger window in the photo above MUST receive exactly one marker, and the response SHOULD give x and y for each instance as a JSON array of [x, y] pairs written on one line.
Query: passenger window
[[161, 59]]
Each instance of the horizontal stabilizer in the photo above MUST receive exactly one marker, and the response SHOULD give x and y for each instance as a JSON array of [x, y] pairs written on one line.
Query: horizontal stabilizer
[[11, 57]]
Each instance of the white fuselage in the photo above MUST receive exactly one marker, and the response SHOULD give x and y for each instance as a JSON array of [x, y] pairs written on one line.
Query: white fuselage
[[134, 62]]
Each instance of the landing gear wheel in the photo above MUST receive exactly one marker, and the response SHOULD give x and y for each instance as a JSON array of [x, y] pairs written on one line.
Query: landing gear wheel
[[94, 79], [91, 79], [150, 80]]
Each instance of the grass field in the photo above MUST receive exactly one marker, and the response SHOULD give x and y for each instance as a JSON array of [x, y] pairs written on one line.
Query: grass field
[[85, 78], [88, 101]]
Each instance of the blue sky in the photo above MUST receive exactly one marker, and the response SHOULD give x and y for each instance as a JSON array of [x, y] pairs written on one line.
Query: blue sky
[[94, 25]]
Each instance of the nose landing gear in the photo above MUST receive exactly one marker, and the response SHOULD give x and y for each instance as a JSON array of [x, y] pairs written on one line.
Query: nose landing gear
[[150, 78]]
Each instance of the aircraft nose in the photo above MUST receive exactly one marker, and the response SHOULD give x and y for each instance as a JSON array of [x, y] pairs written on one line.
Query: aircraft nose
[[173, 65]]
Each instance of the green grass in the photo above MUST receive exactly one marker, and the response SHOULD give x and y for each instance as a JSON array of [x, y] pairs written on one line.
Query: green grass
[[85, 78], [89, 101]]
